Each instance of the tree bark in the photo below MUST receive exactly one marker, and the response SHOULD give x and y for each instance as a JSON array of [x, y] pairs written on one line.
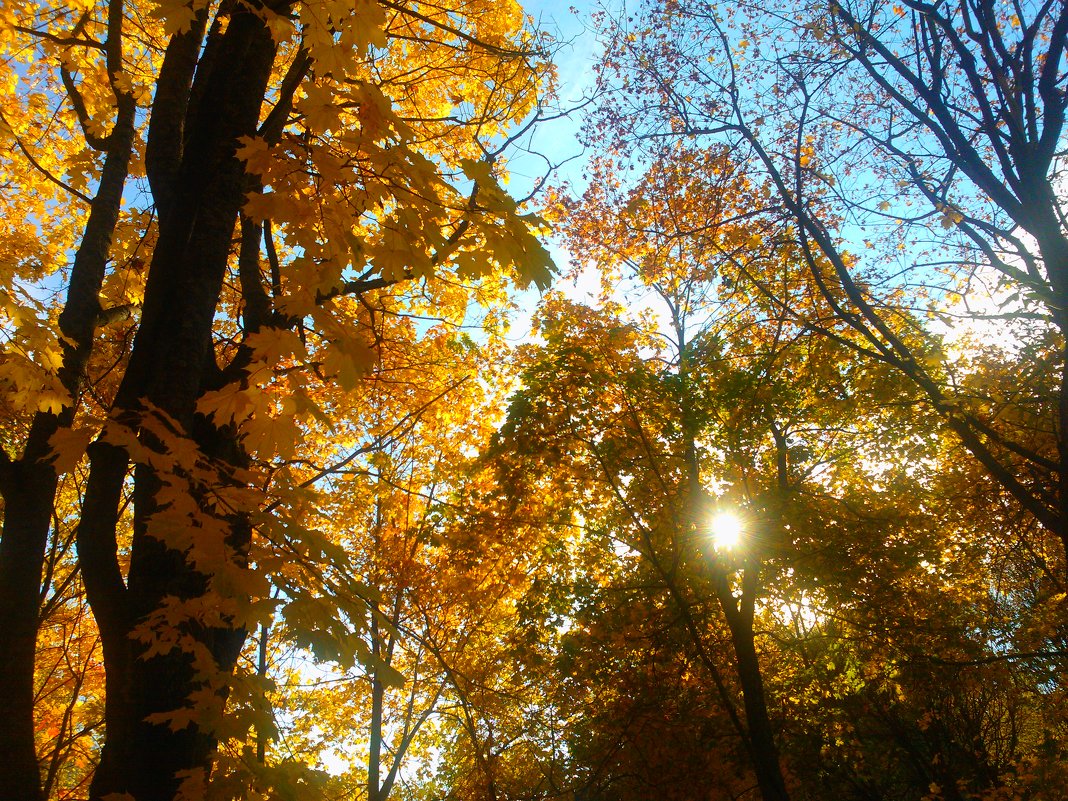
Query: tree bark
[[739, 613], [172, 363], [29, 483], [22, 552]]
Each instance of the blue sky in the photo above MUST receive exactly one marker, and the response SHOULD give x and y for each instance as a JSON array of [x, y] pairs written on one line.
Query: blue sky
[[575, 58], [558, 140]]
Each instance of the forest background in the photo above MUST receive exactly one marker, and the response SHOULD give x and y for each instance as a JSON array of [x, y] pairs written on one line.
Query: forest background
[[778, 509]]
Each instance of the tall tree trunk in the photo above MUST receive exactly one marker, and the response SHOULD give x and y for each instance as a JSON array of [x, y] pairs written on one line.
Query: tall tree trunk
[[22, 552], [171, 365], [374, 756], [29, 483], [739, 612], [763, 749]]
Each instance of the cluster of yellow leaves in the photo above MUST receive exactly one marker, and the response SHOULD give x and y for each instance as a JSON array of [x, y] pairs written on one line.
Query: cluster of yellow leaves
[[48, 170]]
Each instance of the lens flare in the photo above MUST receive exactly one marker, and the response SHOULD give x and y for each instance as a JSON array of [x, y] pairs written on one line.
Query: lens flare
[[726, 529]]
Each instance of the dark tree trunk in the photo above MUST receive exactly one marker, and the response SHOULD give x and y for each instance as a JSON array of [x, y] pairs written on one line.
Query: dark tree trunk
[[29, 494], [172, 363], [29, 484], [763, 750]]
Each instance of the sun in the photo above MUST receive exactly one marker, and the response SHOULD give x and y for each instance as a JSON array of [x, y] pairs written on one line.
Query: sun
[[726, 529]]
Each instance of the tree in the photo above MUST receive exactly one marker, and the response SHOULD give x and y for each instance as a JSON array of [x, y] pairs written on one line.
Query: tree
[[442, 582], [724, 411], [739, 384], [917, 149], [301, 159]]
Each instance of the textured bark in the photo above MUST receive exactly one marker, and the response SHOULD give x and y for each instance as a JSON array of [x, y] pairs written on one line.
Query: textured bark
[[171, 364], [29, 483]]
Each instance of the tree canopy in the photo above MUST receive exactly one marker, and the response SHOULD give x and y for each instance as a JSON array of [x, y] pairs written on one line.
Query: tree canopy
[[777, 511]]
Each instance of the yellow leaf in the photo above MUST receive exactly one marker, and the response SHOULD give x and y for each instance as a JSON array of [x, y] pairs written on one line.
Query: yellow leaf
[[229, 404], [177, 16], [68, 446], [255, 153]]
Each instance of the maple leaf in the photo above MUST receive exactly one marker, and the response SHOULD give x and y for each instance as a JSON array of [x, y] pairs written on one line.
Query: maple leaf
[[68, 447]]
